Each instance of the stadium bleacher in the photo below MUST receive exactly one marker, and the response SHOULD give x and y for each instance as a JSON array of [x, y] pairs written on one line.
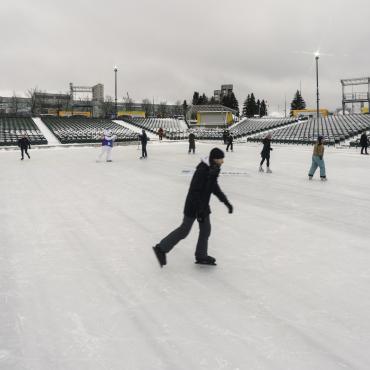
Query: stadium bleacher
[[250, 126], [170, 126], [85, 130], [12, 129], [335, 129]]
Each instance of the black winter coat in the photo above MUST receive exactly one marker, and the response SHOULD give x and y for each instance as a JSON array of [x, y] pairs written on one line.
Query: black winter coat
[[363, 140], [203, 184], [266, 148], [192, 139], [230, 139], [24, 143], [143, 138]]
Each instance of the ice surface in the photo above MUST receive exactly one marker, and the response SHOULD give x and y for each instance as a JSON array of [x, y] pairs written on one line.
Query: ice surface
[[80, 287]]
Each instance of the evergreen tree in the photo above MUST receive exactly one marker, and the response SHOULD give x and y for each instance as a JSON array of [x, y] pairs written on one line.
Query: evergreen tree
[[258, 106], [184, 108], [263, 109], [195, 100], [203, 99], [234, 103], [251, 106], [213, 100], [297, 103], [245, 106]]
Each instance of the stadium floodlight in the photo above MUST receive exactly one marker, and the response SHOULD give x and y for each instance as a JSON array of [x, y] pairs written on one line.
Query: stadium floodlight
[[115, 69], [317, 55]]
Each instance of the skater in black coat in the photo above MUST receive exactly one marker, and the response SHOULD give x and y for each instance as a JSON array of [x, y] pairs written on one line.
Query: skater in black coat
[[364, 142], [24, 144], [203, 184], [265, 154], [191, 143], [229, 140], [144, 140], [224, 136]]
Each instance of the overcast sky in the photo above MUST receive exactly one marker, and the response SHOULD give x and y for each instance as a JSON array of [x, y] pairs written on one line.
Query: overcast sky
[[166, 49]]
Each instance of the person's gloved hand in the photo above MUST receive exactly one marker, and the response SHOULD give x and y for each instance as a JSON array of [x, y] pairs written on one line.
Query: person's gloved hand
[[230, 207], [201, 216]]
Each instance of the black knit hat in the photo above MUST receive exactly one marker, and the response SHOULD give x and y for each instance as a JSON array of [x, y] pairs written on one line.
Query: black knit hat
[[216, 153]]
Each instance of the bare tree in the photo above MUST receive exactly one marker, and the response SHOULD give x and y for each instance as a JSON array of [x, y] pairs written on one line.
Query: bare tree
[[163, 109], [147, 107], [108, 107], [129, 104], [14, 104], [31, 93], [178, 108]]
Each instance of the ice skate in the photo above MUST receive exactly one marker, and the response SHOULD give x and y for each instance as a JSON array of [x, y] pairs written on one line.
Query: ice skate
[[268, 170], [310, 177], [324, 179], [207, 260], [109, 160], [261, 169], [161, 256]]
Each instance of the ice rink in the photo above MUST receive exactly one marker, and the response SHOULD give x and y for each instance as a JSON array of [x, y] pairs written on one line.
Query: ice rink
[[80, 288]]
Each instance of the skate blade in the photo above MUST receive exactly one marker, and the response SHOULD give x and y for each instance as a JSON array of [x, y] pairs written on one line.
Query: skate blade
[[205, 263]]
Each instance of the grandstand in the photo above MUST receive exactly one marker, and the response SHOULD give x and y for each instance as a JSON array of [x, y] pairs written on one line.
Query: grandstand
[[11, 129], [250, 126], [335, 129], [85, 130], [170, 125], [245, 127]]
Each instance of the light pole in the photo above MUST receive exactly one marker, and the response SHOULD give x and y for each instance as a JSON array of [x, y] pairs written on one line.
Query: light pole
[[317, 55], [115, 69]]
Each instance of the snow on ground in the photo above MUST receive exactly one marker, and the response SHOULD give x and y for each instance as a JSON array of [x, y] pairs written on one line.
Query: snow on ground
[[80, 287]]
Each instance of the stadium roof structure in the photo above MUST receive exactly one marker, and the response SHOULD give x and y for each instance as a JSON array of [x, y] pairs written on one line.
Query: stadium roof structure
[[211, 108], [355, 81]]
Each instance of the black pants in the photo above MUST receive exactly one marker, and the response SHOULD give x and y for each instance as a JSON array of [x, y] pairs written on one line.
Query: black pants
[[192, 148], [25, 150], [143, 151], [183, 231], [362, 149], [267, 161], [230, 145]]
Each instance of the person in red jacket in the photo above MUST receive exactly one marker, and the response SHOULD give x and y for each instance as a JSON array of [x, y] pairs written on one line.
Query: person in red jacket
[[160, 133]]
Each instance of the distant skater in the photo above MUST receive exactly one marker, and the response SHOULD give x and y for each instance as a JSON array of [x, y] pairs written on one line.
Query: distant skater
[[230, 140], [160, 133], [191, 143], [203, 184], [144, 140], [24, 145], [224, 136], [107, 145], [364, 142], [265, 154], [318, 159]]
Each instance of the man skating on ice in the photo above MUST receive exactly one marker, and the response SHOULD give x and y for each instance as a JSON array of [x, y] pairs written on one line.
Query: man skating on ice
[[364, 142], [265, 154], [191, 143], [203, 184], [230, 140], [107, 145], [144, 140], [24, 144]]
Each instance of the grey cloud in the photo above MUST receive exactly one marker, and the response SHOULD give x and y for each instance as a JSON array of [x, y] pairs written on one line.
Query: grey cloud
[[167, 49]]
